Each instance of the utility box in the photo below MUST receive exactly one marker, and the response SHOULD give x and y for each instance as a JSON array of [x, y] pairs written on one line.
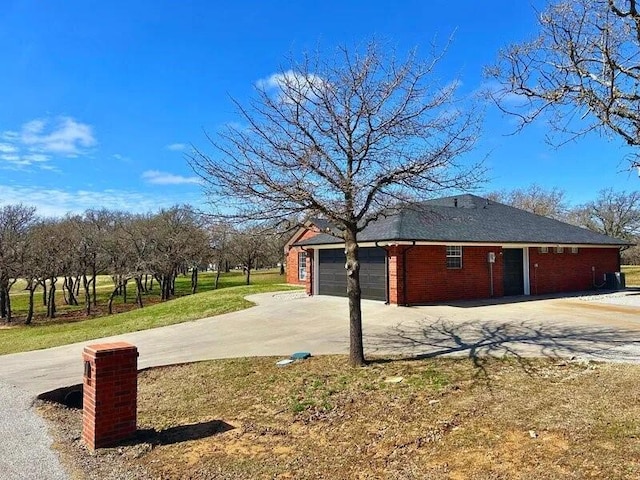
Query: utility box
[[615, 281], [110, 393]]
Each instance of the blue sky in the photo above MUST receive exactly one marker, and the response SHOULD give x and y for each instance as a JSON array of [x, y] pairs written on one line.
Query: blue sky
[[100, 100]]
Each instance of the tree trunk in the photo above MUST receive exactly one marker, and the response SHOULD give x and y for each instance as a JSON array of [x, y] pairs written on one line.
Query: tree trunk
[[194, 280], [87, 296], [94, 273], [139, 291], [116, 289], [123, 290], [65, 290], [51, 304], [69, 288], [3, 302], [248, 273], [44, 292], [8, 305], [31, 289], [215, 283], [356, 348]]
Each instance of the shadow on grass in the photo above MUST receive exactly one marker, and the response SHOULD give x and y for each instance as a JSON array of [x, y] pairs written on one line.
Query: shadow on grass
[[182, 433], [478, 341]]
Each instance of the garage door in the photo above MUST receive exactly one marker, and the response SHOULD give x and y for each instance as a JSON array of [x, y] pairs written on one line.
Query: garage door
[[332, 277]]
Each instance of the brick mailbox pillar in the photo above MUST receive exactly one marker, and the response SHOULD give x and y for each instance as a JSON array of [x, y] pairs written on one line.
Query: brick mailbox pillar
[[109, 393]]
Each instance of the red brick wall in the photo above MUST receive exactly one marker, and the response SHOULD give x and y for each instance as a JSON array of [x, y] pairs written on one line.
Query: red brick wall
[[567, 272], [429, 279], [292, 257]]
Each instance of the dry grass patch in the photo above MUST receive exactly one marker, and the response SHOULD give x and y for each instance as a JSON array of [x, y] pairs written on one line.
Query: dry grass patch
[[632, 275], [448, 419]]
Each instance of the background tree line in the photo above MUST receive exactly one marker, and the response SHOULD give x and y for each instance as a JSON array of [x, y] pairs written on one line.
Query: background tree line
[[612, 213], [62, 258]]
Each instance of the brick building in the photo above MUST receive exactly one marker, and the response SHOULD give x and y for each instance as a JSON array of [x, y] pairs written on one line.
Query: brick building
[[455, 248]]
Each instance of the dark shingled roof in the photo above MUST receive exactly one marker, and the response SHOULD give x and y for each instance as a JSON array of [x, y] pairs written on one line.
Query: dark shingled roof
[[473, 219]]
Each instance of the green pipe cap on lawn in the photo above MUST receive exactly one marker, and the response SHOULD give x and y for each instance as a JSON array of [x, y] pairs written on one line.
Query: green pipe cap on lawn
[[300, 355]]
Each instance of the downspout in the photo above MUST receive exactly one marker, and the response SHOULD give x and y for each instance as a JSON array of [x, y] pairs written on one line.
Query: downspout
[[404, 273], [386, 273]]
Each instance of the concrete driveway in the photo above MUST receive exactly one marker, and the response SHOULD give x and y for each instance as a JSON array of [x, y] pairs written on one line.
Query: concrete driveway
[[287, 322]]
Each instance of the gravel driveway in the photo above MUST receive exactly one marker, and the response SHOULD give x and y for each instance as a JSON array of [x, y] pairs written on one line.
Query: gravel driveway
[[25, 445]]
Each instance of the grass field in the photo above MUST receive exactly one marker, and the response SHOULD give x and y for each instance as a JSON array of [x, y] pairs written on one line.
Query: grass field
[[104, 287], [444, 419], [632, 275], [228, 298]]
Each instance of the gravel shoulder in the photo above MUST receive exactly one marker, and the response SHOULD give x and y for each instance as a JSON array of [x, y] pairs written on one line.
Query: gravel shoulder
[[629, 298], [25, 444]]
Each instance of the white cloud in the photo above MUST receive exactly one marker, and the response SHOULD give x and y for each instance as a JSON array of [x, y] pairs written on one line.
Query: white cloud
[[157, 177], [7, 148], [56, 202], [177, 147], [36, 157], [40, 140], [288, 85], [63, 136]]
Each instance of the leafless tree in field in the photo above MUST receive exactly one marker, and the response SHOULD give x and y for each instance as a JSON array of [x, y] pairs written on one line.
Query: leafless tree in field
[[15, 221], [582, 71], [535, 199], [347, 137], [616, 214]]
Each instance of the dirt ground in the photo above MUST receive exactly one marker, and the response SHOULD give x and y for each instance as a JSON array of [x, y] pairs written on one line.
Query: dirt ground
[[474, 418]]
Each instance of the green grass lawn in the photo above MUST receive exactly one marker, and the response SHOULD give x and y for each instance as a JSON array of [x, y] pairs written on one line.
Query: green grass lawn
[[632, 275], [228, 298]]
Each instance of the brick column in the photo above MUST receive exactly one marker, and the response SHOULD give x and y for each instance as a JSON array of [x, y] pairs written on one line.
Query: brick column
[[395, 275], [109, 393]]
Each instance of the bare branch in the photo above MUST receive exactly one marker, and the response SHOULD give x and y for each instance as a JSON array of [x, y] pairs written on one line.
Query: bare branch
[[582, 72]]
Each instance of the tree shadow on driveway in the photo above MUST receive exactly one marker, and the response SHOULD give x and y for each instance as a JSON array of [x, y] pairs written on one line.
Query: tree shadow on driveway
[[478, 340]]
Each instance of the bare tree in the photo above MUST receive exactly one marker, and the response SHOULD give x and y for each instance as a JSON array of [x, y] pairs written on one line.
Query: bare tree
[[220, 241], [535, 199], [53, 258], [631, 256], [252, 248], [347, 138], [15, 221], [583, 69], [616, 214]]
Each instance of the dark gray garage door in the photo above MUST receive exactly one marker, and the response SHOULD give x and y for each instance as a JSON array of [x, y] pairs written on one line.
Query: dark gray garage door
[[332, 278]]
